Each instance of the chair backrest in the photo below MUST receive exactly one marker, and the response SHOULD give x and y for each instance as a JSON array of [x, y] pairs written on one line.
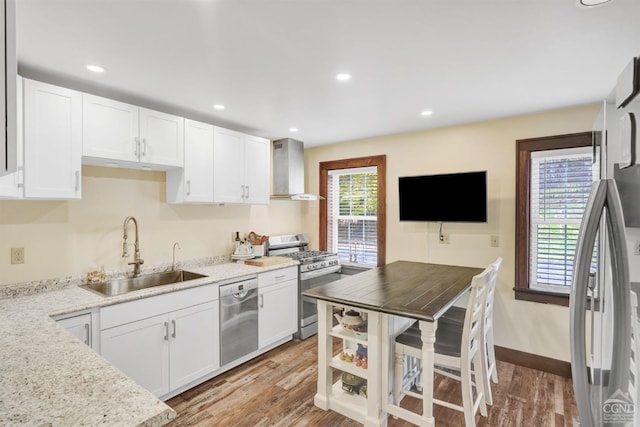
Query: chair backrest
[[475, 313], [488, 311]]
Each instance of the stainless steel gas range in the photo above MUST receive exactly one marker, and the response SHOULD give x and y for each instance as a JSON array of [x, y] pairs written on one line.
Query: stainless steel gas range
[[316, 268]]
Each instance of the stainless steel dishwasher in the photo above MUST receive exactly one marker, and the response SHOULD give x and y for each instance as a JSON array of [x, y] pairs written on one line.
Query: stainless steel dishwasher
[[238, 319]]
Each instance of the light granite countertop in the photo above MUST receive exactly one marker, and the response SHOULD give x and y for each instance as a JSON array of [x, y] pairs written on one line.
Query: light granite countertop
[[50, 378]]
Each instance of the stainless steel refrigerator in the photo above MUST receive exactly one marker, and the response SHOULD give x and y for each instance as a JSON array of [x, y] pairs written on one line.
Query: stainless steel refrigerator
[[605, 356]]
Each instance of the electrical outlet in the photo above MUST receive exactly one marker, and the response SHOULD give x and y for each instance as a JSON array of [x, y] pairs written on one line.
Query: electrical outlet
[[444, 239], [636, 250], [17, 255], [495, 241]]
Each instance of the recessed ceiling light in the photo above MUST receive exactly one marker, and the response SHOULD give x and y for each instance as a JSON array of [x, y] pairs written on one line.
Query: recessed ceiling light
[[293, 129], [95, 68], [591, 3], [343, 77], [218, 107], [426, 113]]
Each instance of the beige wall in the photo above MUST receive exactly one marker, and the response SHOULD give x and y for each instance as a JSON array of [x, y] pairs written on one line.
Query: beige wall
[[68, 238], [543, 329]]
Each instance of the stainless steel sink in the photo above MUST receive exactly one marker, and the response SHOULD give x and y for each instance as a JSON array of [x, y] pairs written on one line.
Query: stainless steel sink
[[130, 284]]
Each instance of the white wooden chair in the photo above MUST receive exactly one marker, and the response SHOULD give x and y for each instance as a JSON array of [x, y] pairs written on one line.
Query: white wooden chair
[[456, 316], [457, 349]]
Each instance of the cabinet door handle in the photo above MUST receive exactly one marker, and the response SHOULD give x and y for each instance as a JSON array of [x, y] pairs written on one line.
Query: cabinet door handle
[[144, 147], [136, 146], [173, 324], [261, 300], [166, 331], [188, 187], [87, 334], [243, 192], [77, 186], [247, 192], [282, 276]]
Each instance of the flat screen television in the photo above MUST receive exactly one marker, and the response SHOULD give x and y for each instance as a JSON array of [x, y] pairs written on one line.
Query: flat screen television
[[451, 197]]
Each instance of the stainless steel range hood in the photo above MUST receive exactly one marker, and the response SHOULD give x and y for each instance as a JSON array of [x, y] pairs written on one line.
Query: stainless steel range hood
[[288, 171]]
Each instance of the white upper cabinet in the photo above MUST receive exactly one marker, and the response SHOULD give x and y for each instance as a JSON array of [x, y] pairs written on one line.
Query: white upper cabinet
[[120, 134], [194, 183], [110, 129], [240, 167], [9, 141], [11, 185], [52, 141], [228, 166], [257, 169], [161, 138]]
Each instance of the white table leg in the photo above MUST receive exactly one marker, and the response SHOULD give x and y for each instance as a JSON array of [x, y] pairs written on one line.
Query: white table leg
[[428, 334], [325, 380], [375, 416]]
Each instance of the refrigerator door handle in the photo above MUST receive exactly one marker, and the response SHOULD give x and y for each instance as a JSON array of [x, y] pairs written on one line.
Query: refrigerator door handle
[[619, 376], [578, 299], [604, 195]]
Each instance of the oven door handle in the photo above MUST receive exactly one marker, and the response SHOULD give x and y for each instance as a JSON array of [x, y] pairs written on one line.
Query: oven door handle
[[317, 273]]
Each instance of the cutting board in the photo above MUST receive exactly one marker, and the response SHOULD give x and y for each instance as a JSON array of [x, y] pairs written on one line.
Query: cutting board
[[268, 260]]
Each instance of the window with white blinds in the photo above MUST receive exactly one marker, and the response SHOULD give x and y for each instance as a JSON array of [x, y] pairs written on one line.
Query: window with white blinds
[[352, 214], [559, 189]]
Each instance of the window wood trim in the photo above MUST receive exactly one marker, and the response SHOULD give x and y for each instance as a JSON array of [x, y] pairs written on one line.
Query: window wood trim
[[524, 148], [381, 163]]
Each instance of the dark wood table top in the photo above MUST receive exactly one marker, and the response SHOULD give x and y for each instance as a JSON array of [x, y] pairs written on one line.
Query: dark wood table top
[[410, 289]]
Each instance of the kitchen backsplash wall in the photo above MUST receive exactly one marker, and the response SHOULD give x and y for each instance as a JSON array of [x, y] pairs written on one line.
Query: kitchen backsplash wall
[[541, 329], [68, 238]]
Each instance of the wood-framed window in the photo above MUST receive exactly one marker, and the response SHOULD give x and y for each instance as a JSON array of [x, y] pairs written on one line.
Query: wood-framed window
[[553, 182], [353, 211]]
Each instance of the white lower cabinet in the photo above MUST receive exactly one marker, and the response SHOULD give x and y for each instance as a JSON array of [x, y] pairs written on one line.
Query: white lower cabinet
[[140, 350], [194, 349], [277, 305], [163, 352], [80, 326], [169, 342]]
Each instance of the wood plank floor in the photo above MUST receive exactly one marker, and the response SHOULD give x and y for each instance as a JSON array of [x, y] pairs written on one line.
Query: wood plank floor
[[277, 389]]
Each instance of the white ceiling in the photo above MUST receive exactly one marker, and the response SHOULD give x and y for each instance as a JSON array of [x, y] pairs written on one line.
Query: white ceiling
[[272, 63]]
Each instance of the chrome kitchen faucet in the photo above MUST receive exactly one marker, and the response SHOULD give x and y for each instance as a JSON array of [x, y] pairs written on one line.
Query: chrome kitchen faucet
[[173, 264], [137, 261]]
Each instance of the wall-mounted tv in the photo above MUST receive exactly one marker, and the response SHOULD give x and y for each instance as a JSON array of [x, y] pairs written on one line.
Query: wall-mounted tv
[[451, 197]]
